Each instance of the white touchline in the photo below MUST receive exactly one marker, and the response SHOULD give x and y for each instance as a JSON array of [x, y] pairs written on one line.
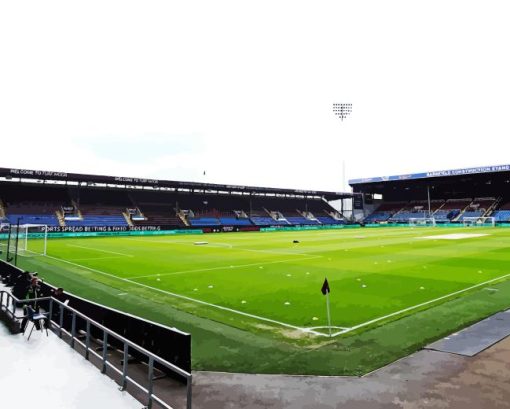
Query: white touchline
[[188, 298], [220, 268], [96, 249], [364, 324]]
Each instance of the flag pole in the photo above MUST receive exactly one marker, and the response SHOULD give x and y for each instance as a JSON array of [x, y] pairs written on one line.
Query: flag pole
[[329, 316], [325, 290]]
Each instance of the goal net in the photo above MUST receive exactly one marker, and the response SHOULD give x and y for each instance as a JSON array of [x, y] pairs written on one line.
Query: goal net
[[422, 221], [479, 221], [4, 232], [28, 240]]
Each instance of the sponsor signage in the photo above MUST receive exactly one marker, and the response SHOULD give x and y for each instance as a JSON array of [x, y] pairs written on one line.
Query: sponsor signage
[[435, 174], [79, 229], [91, 180], [229, 229]]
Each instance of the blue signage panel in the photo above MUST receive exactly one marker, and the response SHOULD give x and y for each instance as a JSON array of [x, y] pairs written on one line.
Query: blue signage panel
[[435, 174]]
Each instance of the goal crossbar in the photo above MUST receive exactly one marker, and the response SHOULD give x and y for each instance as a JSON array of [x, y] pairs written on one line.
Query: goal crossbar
[[479, 221], [22, 235]]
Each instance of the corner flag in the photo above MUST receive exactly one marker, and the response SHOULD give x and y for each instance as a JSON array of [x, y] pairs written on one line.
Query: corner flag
[[325, 291], [325, 287]]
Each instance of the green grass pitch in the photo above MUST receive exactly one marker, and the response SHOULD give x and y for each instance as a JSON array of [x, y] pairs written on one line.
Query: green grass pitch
[[265, 285]]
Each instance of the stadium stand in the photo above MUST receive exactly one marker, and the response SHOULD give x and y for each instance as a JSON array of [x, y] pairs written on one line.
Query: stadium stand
[[450, 210], [37, 205], [415, 209], [155, 208], [297, 218], [503, 213], [443, 211], [323, 212], [204, 221], [384, 212], [90, 204], [99, 208], [233, 221], [477, 208]]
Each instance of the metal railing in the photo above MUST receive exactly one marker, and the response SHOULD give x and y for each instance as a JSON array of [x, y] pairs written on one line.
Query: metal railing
[[9, 304]]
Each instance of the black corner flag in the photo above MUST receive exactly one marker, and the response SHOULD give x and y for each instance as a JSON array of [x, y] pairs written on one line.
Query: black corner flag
[[325, 287]]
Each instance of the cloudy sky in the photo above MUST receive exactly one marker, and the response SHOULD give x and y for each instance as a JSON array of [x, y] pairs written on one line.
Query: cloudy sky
[[244, 90]]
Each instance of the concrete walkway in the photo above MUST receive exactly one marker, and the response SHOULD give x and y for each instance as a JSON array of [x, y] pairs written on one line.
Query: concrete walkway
[[426, 379]]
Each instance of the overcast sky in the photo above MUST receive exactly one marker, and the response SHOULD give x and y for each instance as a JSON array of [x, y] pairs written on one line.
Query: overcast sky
[[244, 90]]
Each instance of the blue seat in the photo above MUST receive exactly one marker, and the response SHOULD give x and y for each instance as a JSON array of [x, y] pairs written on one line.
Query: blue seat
[[105, 220], [299, 220], [34, 317], [204, 221], [46, 219], [472, 213], [232, 221], [329, 220], [378, 216], [502, 215]]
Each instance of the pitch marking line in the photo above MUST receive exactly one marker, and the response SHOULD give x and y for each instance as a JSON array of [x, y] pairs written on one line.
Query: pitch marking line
[[364, 324], [453, 236], [220, 268], [189, 298], [184, 243], [308, 330], [96, 249], [289, 253], [95, 258], [221, 245]]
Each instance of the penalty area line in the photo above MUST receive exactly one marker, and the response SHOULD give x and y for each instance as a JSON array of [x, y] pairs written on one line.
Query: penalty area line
[[127, 280]]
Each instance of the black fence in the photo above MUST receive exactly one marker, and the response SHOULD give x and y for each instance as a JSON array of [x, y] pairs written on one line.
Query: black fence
[[168, 343]]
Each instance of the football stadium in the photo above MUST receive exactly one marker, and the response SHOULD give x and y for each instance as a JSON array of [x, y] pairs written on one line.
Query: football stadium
[[271, 205], [261, 280]]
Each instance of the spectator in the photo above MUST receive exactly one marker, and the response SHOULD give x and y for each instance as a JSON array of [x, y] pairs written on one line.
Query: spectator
[[58, 294]]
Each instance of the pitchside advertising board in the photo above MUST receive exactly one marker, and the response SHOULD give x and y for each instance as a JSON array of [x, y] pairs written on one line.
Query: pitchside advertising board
[[98, 229], [230, 229], [147, 229]]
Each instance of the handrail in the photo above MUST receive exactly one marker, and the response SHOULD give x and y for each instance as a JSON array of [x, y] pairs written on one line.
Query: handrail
[[11, 300]]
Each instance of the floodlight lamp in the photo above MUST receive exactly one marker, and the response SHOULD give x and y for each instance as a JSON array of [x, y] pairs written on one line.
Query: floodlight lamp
[[342, 110]]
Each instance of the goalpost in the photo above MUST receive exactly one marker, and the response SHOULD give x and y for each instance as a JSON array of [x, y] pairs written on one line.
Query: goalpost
[[422, 221], [4, 232], [479, 221], [29, 239]]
